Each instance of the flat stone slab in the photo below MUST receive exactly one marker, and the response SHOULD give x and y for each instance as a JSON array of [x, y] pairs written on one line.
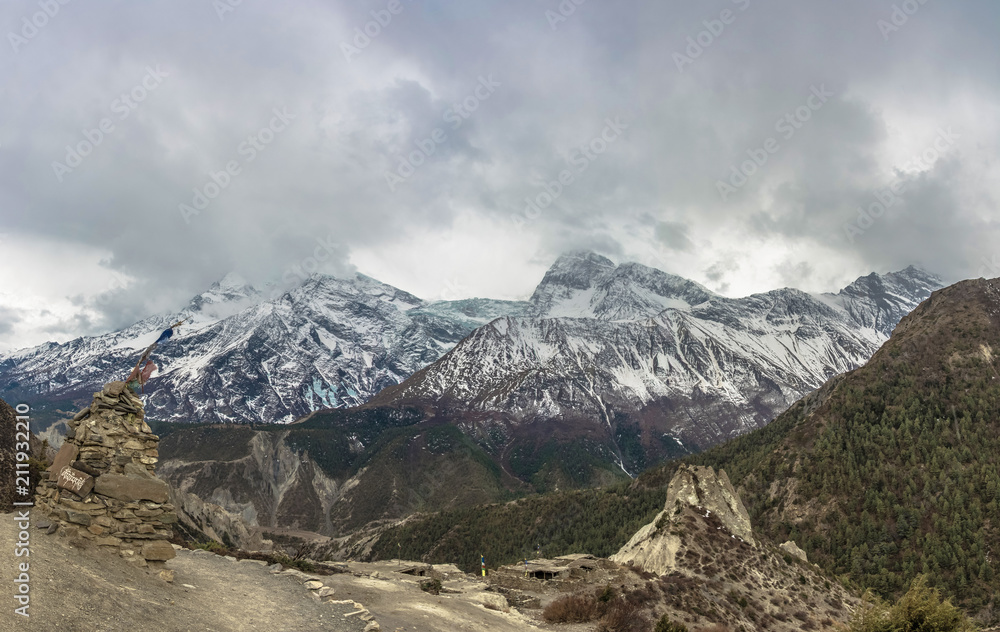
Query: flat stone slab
[[130, 488], [67, 454], [80, 483]]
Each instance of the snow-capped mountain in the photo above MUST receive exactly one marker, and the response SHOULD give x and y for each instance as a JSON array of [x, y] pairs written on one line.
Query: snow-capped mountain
[[652, 358], [654, 363], [587, 285], [240, 358]]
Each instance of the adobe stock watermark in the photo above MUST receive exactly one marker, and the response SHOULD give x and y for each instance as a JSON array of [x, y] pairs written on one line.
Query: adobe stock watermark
[[887, 197], [123, 106], [456, 115], [295, 274], [22, 517], [250, 148], [787, 126], [118, 283], [703, 40], [31, 27], [581, 158], [454, 290], [565, 9], [990, 267], [225, 7], [901, 14], [364, 34]]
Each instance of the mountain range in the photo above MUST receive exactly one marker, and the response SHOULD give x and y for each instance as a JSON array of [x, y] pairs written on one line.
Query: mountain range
[[239, 358], [594, 339], [886, 473], [625, 366], [649, 364]]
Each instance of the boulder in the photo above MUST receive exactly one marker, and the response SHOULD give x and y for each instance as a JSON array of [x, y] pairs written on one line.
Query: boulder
[[78, 517], [132, 488], [114, 388], [793, 549], [158, 551]]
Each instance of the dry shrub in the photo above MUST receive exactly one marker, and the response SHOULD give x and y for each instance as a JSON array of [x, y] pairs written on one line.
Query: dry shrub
[[623, 616], [641, 596], [571, 609]]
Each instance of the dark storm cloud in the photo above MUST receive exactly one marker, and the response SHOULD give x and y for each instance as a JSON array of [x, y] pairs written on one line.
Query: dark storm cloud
[[340, 143]]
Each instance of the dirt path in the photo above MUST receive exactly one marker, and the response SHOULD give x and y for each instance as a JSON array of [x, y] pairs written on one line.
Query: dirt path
[[89, 590], [399, 605], [95, 590]]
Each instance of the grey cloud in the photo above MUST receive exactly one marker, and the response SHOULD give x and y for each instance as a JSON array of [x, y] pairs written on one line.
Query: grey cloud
[[324, 176], [674, 235], [8, 318]]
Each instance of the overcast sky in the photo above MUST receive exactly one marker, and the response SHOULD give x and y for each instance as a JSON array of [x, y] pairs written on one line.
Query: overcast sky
[[402, 138]]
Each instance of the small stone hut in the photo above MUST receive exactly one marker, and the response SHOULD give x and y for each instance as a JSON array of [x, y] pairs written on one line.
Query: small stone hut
[[101, 485]]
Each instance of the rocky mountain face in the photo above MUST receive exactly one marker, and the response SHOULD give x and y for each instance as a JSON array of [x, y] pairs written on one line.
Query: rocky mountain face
[[647, 365], [242, 359], [331, 474], [636, 366]]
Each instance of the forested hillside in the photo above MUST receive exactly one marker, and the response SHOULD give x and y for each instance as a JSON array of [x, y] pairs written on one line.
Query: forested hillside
[[885, 473], [895, 473]]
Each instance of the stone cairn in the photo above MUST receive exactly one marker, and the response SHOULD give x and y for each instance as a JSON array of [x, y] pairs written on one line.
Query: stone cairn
[[101, 486]]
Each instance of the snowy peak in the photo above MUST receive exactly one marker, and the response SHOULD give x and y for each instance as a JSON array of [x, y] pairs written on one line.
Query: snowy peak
[[231, 290], [359, 289], [587, 285], [879, 301], [568, 285], [656, 362], [244, 356], [909, 282]]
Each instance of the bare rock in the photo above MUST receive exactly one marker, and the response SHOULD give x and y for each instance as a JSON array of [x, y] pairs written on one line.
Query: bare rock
[[67, 454], [158, 551], [131, 488], [793, 549], [701, 487], [654, 547], [114, 389]]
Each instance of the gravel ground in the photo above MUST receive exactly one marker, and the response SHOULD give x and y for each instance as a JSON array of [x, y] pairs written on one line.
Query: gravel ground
[[92, 590]]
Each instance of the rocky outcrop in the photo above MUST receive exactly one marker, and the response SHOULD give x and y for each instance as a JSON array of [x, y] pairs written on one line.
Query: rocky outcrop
[[101, 485], [654, 548], [793, 549], [702, 488]]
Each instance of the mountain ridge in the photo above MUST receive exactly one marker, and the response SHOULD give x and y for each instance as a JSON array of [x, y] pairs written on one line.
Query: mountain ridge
[[669, 381], [243, 358]]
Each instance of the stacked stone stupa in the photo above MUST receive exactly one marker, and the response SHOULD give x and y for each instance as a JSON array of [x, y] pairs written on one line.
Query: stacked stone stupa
[[101, 485]]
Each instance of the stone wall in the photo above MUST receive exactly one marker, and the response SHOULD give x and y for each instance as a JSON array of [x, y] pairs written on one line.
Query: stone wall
[[102, 487]]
